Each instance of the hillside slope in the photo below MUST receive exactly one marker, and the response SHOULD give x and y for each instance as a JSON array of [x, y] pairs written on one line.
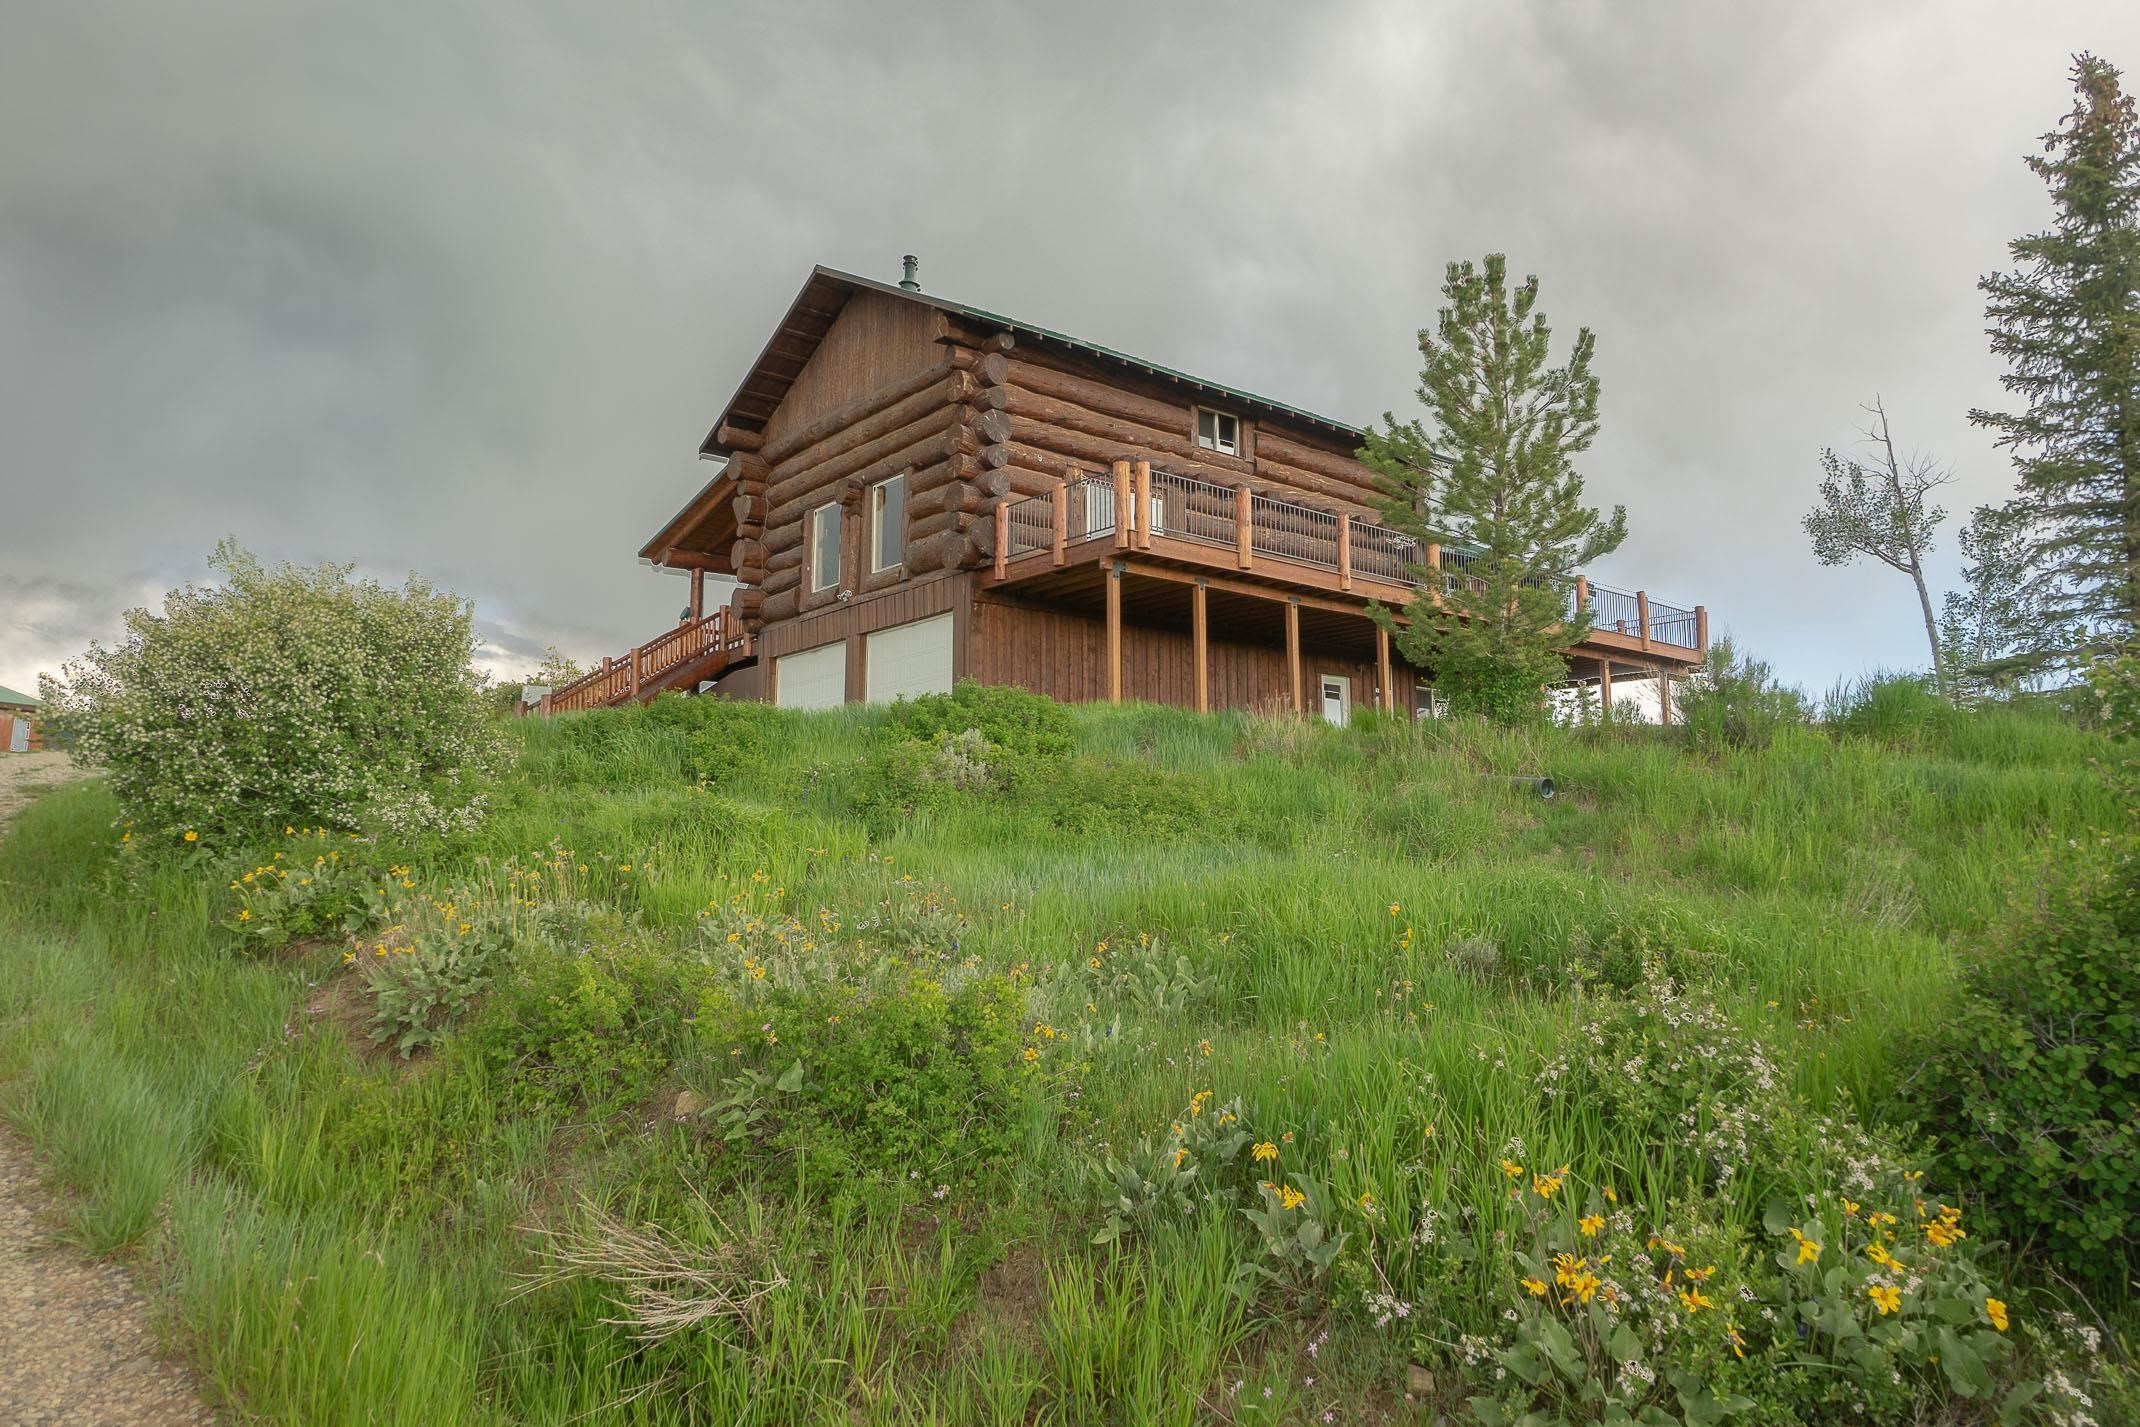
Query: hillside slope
[[1096, 1065]]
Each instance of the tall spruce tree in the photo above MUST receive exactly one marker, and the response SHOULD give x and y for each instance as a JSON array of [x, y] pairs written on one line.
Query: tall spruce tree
[[1994, 631], [2067, 321], [1494, 483]]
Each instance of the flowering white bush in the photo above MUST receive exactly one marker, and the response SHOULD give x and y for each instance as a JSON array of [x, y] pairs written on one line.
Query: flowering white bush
[[285, 695]]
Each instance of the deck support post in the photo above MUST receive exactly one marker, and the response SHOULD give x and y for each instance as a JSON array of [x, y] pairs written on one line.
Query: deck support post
[[1125, 514], [1385, 691], [1003, 537], [1664, 694], [1114, 630], [1642, 613], [1200, 635], [1059, 498], [1292, 652], [698, 595], [1244, 529], [1141, 516], [1605, 690]]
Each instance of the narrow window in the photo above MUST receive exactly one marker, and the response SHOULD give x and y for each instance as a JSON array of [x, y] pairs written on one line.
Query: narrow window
[[824, 547], [1216, 431], [888, 524]]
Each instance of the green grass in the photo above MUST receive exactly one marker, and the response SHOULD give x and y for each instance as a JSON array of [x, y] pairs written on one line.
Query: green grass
[[341, 1238]]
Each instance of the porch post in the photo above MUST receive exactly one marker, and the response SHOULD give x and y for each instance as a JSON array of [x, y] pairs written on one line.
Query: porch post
[[698, 595], [1003, 536], [1386, 691], [1059, 499], [1244, 530], [1114, 626], [1292, 650], [1199, 627], [1345, 552]]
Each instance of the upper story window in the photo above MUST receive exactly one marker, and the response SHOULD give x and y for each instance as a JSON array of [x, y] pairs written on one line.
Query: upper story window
[[1217, 431], [888, 524], [824, 547]]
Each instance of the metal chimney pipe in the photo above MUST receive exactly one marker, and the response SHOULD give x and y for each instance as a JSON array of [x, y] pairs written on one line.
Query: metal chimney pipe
[[908, 264]]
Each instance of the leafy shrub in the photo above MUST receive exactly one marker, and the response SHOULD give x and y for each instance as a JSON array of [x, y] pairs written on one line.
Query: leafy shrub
[[1734, 701], [590, 1029], [1032, 729], [2032, 1087], [885, 1074], [422, 990], [1667, 1066], [307, 888], [1216, 1156], [729, 740], [286, 696]]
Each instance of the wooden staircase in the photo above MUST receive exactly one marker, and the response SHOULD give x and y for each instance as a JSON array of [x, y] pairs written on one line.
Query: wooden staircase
[[693, 651]]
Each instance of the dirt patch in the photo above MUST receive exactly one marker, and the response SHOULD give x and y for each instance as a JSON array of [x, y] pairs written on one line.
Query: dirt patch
[[24, 775], [339, 1004], [1013, 1293]]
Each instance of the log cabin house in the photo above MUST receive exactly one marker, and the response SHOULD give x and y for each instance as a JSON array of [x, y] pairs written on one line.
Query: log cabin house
[[914, 491]]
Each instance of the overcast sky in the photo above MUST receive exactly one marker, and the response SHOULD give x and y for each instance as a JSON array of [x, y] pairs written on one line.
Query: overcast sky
[[459, 287]]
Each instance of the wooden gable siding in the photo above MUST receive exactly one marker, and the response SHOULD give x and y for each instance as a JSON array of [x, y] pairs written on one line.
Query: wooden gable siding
[[1064, 656], [875, 340]]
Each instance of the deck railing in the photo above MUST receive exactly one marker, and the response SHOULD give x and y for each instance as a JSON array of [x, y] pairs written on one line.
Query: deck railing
[[620, 679], [1181, 507]]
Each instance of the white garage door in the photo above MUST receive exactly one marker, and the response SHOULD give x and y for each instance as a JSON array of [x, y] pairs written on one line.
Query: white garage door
[[910, 659], [813, 679]]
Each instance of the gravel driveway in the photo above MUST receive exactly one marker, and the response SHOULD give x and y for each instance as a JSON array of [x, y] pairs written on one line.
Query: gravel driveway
[[75, 1346]]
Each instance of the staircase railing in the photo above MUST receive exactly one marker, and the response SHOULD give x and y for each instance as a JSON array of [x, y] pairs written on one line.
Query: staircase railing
[[618, 680]]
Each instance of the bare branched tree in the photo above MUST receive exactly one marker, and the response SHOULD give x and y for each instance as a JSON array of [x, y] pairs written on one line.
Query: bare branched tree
[[1879, 510]]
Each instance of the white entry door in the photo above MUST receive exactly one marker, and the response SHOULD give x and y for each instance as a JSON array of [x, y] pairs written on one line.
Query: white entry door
[[1337, 698], [814, 679], [909, 659]]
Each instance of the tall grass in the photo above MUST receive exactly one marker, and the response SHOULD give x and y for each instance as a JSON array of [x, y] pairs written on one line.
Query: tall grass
[[1394, 937]]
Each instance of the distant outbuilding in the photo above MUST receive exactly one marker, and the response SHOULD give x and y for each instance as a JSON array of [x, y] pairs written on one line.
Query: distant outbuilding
[[18, 722]]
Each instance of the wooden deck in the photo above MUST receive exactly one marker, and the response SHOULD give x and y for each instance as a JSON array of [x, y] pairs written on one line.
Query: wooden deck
[[1068, 546]]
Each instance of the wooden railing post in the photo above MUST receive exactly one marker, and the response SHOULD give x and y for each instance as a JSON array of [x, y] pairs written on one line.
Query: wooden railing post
[[1059, 499], [1244, 526], [1199, 628], [1345, 552], [1701, 628], [1582, 593], [1642, 614], [1003, 536], [1143, 516], [1435, 583], [1125, 519], [634, 657]]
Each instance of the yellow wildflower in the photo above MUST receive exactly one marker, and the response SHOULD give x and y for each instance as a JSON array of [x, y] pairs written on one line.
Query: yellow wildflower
[[1289, 1197], [1886, 1297], [1996, 1312], [1512, 1169], [1694, 1301], [192, 836], [1534, 1287], [1590, 1224], [1808, 1250], [245, 914], [1264, 1151]]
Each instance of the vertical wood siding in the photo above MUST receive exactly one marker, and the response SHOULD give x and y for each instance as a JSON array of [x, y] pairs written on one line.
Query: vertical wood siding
[[875, 340]]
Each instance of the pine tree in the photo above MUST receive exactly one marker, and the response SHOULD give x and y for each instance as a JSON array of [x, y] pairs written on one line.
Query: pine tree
[[1995, 630], [1495, 484], [2067, 321]]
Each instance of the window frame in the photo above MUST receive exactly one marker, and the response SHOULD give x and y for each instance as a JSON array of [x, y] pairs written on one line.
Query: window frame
[[1214, 445], [875, 504], [818, 583]]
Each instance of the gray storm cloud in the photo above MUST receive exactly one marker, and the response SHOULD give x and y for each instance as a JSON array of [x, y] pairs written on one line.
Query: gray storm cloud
[[458, 287]]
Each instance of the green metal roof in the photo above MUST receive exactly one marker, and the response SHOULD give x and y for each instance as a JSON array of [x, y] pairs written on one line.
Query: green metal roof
[[9, 696]]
